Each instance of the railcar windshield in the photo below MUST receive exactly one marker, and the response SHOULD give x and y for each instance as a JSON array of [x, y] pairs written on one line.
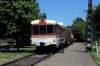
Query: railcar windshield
[[35, 30], [49, 29], [55, 29], [42, 29]]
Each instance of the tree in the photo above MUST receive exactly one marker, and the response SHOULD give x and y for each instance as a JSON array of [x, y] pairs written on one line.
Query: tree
[[3, 30], [40, 16], [96, 19], [16, 15], [79, 29]]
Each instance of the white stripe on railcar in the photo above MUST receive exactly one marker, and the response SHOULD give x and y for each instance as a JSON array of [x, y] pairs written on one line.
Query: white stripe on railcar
[[47, 41]]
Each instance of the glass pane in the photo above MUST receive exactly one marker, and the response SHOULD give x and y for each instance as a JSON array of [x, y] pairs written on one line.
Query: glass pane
[[61, 31], [49, 29], [35, 30], [42, 29], [55, 29]]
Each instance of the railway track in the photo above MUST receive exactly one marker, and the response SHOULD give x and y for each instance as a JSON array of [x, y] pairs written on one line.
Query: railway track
[[29, 60]]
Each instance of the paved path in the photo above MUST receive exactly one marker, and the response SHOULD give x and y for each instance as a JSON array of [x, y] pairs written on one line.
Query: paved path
[[74, 55]]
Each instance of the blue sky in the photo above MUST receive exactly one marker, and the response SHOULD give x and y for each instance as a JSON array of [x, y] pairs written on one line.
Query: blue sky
[[65, 10]]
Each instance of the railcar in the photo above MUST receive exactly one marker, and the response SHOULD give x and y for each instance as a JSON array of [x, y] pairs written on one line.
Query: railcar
[[47, 32]]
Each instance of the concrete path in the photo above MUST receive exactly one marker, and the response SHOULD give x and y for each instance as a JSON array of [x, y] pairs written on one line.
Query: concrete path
[[74, 55]]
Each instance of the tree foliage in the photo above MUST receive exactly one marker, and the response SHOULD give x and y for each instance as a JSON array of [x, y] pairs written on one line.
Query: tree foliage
[[96, 20], [16, 16], [40, 16], [79, 29]]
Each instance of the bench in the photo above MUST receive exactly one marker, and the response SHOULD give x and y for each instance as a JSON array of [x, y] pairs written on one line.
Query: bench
[[4, 48], [3, 41]]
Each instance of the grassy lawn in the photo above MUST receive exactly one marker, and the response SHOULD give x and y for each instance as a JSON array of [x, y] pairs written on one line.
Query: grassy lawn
[[94, 55], [13, 54]]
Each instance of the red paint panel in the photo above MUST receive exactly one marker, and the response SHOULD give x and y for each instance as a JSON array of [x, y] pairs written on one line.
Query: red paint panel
[[46, 37]]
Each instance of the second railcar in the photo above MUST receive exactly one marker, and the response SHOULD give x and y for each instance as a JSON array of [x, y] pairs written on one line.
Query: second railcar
[[68, 35]]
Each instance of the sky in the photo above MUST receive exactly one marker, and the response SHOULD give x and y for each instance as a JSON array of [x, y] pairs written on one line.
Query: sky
[[65, 10]]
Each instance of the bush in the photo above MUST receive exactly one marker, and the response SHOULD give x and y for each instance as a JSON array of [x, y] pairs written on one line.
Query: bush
[[98, 40], [10, 41]]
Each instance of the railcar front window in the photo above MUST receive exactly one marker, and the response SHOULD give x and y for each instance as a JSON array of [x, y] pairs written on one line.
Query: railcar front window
[[49, 29], [42, 29], [35, 30], [55, 29]]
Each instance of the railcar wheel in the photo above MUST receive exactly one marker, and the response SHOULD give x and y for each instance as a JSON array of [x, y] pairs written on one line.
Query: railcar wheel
[[53, 49], [66, 44]]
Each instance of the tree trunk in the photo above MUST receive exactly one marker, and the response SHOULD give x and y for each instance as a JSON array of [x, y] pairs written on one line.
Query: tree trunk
[[17, 44]]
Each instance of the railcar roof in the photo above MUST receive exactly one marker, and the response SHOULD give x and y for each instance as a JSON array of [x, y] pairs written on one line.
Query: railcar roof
[[62, 24], [47, 22]]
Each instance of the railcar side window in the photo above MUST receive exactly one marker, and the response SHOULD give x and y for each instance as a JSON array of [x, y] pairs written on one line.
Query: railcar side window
[[55, 29], [49, 29], [61, 31], [42, 29], [35, 30]]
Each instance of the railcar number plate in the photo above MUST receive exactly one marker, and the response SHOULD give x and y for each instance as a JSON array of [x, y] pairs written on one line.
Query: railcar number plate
[[42, 38]]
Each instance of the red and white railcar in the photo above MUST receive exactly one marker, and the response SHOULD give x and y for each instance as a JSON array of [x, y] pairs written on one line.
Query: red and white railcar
[[47, 32]]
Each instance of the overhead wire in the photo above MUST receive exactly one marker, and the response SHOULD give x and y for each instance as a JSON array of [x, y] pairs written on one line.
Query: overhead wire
[[77, 16]]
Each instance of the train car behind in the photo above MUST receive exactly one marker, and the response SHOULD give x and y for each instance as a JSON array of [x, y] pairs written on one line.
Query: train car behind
[[68, 35]]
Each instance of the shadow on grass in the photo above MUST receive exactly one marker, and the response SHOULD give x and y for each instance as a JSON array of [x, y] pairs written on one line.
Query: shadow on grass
[[28, 51], [28, 47], [16, 51], [13, 49]]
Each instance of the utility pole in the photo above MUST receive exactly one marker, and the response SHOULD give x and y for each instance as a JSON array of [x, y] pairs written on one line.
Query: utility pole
[[89, 32]]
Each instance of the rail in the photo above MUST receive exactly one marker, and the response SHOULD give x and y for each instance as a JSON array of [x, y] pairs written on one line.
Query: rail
[[32, 60]]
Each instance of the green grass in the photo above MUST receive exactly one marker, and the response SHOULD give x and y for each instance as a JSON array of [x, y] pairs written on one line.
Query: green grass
[[94, 55], [13, 54], [3, 44]]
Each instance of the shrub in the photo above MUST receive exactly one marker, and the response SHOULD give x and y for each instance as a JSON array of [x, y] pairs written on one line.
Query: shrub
[[10, 41], [98, 40]]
